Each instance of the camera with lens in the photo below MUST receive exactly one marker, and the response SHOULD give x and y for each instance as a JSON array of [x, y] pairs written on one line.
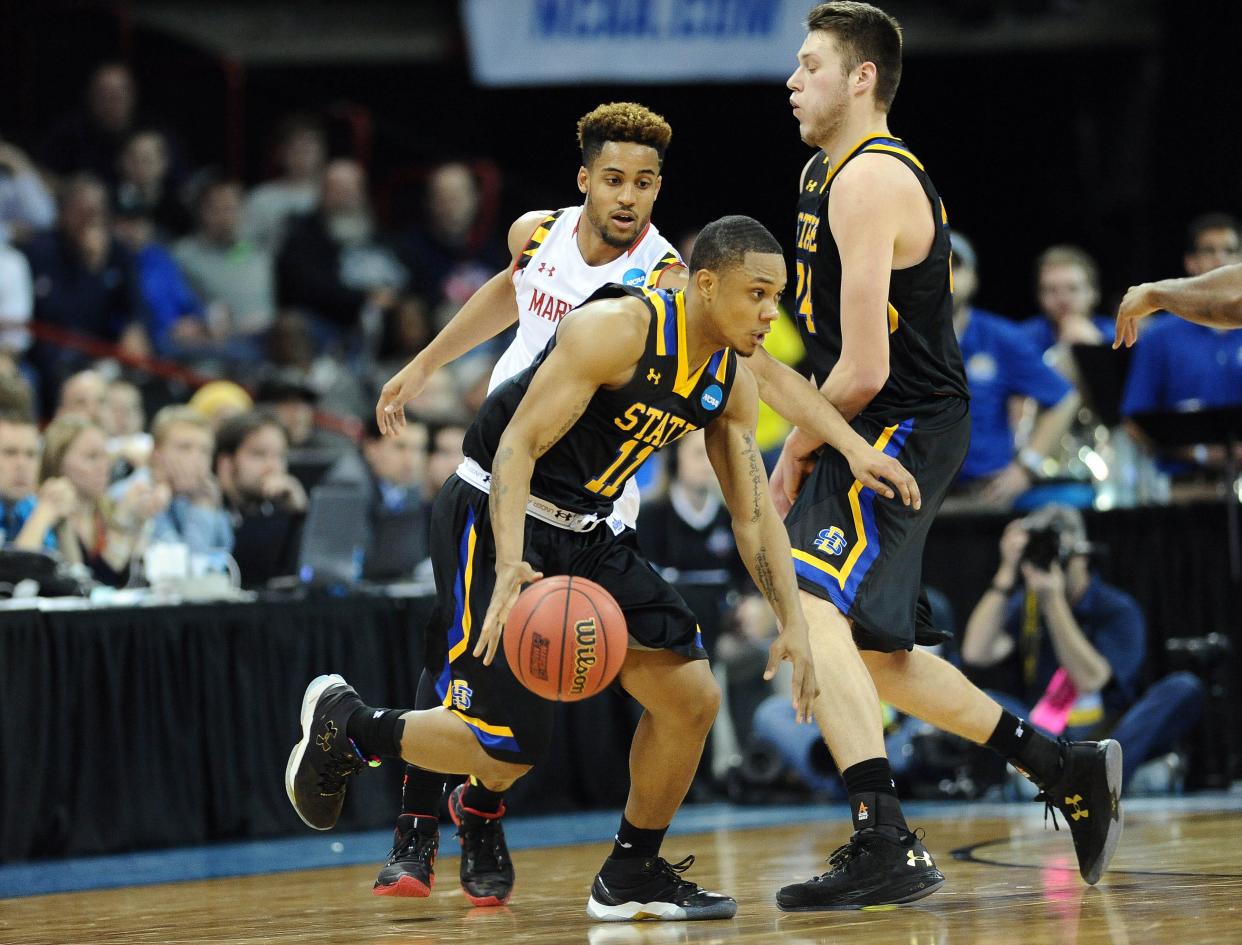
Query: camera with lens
[[1043, 547], [1054, 533]]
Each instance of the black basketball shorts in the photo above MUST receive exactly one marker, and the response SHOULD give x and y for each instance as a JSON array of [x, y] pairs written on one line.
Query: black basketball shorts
[[863, 553], [511, 722]]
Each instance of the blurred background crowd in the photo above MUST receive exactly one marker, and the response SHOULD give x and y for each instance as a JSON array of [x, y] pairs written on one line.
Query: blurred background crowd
[[200, 302]]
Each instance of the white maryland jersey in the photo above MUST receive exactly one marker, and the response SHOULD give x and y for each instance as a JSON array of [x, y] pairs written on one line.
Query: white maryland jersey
[[550, 277]]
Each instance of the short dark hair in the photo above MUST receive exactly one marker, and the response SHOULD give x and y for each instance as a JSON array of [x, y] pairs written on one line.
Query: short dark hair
[[622, 121], [724, 243], [1208, 221], [235, 430], [865, 34]]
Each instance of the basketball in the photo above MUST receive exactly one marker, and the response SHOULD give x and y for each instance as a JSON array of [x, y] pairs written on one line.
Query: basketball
[[565, 638]]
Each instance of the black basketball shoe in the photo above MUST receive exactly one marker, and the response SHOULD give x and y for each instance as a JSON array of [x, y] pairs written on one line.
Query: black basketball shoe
[[1088, 795], [322, 762], [628, 890], [878, 866], [486, 869], [410, 870]]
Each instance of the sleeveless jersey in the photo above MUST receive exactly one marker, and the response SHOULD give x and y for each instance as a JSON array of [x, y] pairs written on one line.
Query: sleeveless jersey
[[925, 363], [666, 398], [550, 277]]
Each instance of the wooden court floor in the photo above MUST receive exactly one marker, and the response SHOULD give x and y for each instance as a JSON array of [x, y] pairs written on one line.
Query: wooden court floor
[[1176, 879]]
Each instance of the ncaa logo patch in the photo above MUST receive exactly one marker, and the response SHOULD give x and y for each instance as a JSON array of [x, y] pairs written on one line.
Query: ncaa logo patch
[[634, 277], [831, 540], [462, 694], [712, 397]]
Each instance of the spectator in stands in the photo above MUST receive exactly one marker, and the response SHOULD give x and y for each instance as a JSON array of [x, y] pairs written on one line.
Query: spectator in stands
[[219, 401], [90, 140], [312, 450], [405, 331], [146, 185], [301, 147], [234, 276], [175, 317], [124, 419], [1001, 364], [26, 206], [453, 254], [16, 394], [181, 461], [82, 395], [28, 519], [104, 536], [334, 262], [393, 472], [1074, 646], [84, 282], [16, 304], [267, 505], [1068, 286], [444, 454], [290, 349], [1182, 365]]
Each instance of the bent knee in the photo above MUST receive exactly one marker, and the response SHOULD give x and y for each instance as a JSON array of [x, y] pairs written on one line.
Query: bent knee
[[498, 773], [702, 703]]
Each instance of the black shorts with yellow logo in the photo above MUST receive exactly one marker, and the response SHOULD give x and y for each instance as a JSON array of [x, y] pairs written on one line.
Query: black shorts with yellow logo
[[863, 553], [511, 722]]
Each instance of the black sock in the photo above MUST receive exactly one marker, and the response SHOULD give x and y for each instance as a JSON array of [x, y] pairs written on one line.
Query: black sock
[[479, 800], [1017, 741], [873, 798], [632, 843], [421, 791], [376, 732]]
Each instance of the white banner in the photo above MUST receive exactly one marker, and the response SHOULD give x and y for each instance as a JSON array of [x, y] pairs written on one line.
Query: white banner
[[556, 42]]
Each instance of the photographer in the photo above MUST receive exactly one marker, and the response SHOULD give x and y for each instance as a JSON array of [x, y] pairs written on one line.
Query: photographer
[[1072, 646]]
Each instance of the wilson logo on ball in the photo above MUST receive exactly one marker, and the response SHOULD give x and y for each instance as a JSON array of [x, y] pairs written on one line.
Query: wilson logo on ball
[[539, 646], [584, 654]]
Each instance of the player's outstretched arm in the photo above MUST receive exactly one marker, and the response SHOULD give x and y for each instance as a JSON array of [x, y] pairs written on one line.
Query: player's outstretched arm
[[802, 404], [487, 313], [1213, 299], [761, 538], [596, 346]]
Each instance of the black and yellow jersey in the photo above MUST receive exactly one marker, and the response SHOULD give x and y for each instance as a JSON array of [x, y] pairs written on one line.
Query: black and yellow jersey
[[925, 363], [666, 398]]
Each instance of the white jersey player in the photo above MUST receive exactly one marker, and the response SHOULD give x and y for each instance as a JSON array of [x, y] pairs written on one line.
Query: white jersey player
[[561, 257]]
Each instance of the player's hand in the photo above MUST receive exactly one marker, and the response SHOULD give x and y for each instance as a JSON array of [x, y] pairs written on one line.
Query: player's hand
[[793, 644], [874, 468], [509, 581], [796, 461], [401, 388], [1135, 305]]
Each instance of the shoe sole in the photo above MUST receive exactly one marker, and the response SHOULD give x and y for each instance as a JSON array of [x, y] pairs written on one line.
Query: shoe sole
[[313, 692], [657, 911], [1112, 768], [407, 887], [907, 895]]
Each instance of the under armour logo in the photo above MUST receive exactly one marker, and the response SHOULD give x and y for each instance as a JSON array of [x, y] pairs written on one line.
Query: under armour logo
[[377, 713], [325, 740], [925, 858], [551, 270], [653, 375], [1079, 812]]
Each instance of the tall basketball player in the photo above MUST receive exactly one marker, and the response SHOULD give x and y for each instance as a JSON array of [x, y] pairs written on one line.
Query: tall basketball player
[[874, 306]]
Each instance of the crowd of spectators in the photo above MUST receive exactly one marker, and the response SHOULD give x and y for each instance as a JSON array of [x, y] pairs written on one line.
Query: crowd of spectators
[[302, 303]]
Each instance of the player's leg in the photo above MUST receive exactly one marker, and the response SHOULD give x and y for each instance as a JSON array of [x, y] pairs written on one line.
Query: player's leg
[[1081, 779], [680, 698], [410, 868], [883, 862]]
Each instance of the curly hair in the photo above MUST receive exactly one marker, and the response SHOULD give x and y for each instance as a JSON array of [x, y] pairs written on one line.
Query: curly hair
[[622, 121]]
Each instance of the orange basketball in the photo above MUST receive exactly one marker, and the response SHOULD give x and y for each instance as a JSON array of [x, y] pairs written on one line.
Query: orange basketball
[[565, 638]]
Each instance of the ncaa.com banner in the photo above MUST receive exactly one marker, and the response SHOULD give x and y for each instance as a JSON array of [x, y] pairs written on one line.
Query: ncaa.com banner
[[556, 42]]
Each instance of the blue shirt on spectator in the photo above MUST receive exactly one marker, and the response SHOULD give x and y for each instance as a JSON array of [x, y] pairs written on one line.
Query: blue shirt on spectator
[[13, 517], [1112, 622], [1000, 363], [166, 292], [1179, 365], [1040, 332], [200, 528], [100, 304]]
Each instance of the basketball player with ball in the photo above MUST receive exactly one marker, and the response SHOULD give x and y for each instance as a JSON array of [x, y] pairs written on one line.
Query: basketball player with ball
[[628, 373]]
